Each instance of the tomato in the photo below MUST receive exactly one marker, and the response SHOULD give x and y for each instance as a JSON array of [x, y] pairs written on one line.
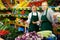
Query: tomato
[[22, 12]]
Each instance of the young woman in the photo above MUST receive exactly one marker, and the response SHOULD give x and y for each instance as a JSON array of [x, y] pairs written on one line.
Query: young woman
[[33, 19]]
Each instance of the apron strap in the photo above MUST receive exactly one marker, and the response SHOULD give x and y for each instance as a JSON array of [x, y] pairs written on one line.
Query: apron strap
[[37, 15], [46, 11], [46, 14]]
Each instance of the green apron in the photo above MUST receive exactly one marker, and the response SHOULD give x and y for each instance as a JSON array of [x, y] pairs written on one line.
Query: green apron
[[46, 24], [34, 27]]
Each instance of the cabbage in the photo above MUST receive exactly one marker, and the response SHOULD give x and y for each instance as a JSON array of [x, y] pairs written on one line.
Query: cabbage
[[45, 33]]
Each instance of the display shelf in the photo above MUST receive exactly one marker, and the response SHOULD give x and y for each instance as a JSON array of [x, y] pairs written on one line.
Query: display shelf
[[29, 8], [20, 16]]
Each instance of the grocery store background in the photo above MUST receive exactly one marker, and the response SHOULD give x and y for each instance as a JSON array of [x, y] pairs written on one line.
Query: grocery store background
[[12, 11]]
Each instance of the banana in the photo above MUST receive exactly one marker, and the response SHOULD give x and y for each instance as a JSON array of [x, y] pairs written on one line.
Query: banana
[[1, 5], [21, 5], [26, 4]]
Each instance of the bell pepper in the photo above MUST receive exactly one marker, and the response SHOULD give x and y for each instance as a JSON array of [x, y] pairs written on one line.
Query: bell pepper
[[22, 12], [4, 32]]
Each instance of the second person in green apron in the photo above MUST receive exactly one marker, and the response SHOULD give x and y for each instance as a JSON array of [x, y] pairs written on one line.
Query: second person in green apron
[[47, 18]]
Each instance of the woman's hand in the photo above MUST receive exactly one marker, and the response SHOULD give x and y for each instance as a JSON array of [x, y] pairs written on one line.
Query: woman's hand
[[34, 22], [54, 25], [37, 22], [26, 23], [40, 21]]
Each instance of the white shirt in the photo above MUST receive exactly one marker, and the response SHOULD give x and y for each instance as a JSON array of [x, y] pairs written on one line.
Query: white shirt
[[49, 15], [34, 13]]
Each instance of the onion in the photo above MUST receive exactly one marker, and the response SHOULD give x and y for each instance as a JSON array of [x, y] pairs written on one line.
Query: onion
[[30, 36]]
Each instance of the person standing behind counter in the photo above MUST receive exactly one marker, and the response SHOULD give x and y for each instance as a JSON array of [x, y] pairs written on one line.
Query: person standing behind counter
[[33, 19], [47, 18]]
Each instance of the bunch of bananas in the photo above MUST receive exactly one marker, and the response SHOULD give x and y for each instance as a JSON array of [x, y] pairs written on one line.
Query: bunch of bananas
[[1, 5]]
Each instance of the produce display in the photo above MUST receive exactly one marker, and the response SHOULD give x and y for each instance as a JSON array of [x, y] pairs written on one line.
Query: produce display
[[45, 33], [8, 31], [3, 30], [58, 29], [34, 36], [58, 18], [29, 36]]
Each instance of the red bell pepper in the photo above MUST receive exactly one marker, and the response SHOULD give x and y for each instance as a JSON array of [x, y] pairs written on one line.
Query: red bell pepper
[[4, 32], [22, 12]]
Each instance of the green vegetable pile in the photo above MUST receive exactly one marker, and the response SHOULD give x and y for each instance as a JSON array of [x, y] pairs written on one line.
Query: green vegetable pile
[[13, 32]]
